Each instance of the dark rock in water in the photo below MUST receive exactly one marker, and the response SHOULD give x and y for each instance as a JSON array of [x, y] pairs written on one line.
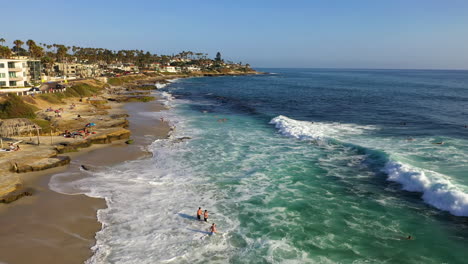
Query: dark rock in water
[[177, 140], [130, 141], [89, 168], [15, 195]]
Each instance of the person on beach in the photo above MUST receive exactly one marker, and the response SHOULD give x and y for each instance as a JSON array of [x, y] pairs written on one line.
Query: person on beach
[[213, 229], [199, 213], [205, 215]]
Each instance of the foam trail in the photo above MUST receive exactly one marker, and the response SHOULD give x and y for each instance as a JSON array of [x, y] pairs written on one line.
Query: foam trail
[[437, 188]]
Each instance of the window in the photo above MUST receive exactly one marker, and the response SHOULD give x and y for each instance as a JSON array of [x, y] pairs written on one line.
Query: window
[[2, 83], [2, 65], [11, 65], [2, 75], [12, 83], [12, 74]]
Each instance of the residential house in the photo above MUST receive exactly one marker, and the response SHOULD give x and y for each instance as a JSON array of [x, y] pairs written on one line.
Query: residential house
[[193, 68], [88, 70], [68, 70], [172, 69]]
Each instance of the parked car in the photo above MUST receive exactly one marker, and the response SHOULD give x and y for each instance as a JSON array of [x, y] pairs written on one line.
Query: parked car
[[59, 86], [34, 89]]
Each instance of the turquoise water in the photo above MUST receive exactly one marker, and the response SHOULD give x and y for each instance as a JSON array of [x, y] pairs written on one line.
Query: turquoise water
[[302, 166]]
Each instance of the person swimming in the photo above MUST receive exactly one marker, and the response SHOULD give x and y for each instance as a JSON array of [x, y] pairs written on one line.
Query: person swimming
[[199, 213]]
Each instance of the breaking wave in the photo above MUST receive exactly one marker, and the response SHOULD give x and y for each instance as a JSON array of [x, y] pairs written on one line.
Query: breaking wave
[[437, 189]]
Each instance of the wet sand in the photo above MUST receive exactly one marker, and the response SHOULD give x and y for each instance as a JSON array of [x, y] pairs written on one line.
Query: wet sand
[[50, 227]]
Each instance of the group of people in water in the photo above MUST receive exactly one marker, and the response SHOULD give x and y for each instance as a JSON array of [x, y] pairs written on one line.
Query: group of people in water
[[205, 218]]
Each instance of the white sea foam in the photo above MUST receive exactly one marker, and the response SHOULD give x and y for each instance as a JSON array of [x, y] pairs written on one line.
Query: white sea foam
[[305, 130], [160, 85], [173, 80], [166, 98], [151, 205], [438, 189]]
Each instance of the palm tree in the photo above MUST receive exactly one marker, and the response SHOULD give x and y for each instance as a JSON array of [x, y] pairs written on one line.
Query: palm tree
[[31, 44], [18, 43], [2, 40]]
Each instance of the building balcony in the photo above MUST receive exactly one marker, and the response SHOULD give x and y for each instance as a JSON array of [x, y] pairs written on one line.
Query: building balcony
[[15, 78], [15, 69]]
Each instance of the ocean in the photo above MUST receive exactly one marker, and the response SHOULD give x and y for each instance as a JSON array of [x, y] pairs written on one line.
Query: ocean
[[295, 166]]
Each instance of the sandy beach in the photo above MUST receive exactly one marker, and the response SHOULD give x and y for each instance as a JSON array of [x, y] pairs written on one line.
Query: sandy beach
[[50, 227]]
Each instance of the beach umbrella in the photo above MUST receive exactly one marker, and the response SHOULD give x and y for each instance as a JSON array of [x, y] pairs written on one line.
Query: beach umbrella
[[17, 126]]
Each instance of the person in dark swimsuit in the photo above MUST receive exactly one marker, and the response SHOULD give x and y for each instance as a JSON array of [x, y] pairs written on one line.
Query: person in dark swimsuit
[[205, 215], [199, 213]]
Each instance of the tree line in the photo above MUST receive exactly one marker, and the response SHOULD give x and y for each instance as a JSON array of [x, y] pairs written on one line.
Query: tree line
[[49, 54]]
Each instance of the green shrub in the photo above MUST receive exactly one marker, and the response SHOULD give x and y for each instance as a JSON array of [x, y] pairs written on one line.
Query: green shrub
[[44, 124], [15, 107], [141, 99], [53, 98], [146, 87], [82, 90], [115, 81]]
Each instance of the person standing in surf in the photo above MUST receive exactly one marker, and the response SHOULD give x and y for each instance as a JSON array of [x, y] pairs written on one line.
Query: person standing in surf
[[205, 215], [213, 229], [199, 213]]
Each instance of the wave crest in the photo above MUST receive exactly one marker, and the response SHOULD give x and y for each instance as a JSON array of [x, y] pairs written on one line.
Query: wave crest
[[305, 130], [437, 188]]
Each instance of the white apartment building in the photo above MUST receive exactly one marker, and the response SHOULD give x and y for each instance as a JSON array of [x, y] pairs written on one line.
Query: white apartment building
[[13, 73]]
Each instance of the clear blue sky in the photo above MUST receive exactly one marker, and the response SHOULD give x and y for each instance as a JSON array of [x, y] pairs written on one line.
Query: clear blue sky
[[322, 33]]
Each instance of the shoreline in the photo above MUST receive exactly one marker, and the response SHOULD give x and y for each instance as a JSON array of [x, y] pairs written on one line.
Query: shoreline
[[61, 228], [42, 224], [33, 157]]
